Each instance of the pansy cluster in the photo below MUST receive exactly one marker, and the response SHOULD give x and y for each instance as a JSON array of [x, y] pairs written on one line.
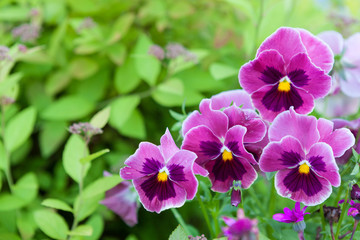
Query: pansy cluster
[[261, 128]]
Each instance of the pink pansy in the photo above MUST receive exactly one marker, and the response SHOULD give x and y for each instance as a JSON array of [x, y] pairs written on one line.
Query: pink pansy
[[303, 149], [218, 138], [122, 200], [162, 175], [291, 216], [346, 72], [290, 69], [240, 228]]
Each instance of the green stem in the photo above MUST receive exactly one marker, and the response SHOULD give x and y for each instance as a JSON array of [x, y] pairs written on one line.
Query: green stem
[[338, 195], [323, 223], [180, 220], [255, 197], [216, 222], [272, 200], [7, 153], [342, 214], [206, 216]]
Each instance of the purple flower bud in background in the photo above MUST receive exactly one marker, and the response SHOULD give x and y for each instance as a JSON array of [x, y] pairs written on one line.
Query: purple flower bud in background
[[22, 48], [355, 192], [332, 214], [85, 130], [4, 53], [174, 50], [240, 228], [26, 32], [87, 23], [5, 100], [236, 194], [201, 237], [156, 51], [34, 12]]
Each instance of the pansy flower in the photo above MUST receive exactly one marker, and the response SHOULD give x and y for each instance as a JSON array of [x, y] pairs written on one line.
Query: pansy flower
[[122, 200], [240, 228], [218, 137], [162, 175], [303, 149], [290, 69]]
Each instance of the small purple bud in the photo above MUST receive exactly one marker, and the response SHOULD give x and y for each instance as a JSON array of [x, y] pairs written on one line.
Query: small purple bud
[[34, 12], [156, 51], [4, 53], [22, 48], [85, 130], [353, 212], [355, 192], [6, 100], [174, 50], [235, 197], [26, 32], [87, 23]]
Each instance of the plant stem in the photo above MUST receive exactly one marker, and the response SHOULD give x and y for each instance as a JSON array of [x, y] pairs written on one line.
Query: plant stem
[[206, 216], [331, 230], [301, 235], [180, 220], [271, 200], [354, 229], [255, 197], [7, 154], [323, 223], [342, 214]]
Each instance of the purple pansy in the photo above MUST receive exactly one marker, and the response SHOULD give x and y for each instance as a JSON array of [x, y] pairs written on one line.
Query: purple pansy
[[291, 216], [122, 200], [290, 69], [240, 228], [162, 175], [218, 137], [346, 73], [303, 149]]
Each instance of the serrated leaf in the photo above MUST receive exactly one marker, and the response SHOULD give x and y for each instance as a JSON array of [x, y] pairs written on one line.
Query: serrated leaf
[[68, 108], [19, 128], [179, 234], [121, 110], [101, 185], [101, 118], [57, 204], [93, 156], [75, 149], [51, 223], [82, 230], [220, 71]]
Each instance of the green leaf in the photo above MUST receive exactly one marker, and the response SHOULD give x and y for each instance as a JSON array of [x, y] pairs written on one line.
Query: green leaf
[[3, 158], [82, 230], [134, 127], [178, 234], [121, 110], [10, 202], [9, 83], [170, 93], [220, 71], [57, 204], [9, 236], [52, 135], [26, 224], [57, 82], [93, 156], [101, 118], [26, 187], [14, 13], [51, 223], [87, 206], [126, 77], [101, 185], [117, 53], [82, 67], [19, 128], [97, 223], [75, 149], [56, 40], [148, 67], [120, 27], [355, 154], [355, 170], [68, 108]]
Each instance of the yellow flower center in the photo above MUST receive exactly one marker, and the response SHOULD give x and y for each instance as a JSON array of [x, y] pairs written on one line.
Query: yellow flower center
[[304, 168], [284, 86], [227, 156], [162, 176]]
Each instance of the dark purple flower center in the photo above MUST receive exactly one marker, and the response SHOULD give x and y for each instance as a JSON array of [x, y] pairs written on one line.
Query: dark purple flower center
[[228, 168], [308, 182]]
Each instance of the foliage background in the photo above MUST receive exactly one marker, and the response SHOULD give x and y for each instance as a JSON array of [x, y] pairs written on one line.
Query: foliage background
[[76, 73]]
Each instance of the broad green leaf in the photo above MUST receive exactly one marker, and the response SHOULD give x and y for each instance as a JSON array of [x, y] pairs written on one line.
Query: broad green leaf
[[57, 204], [117, 53], [51, 223], [68, 108], [120, 27], [9, 236], [355, 170], [26, 224], [97, 223], [83, 67], [87, 206], [170, 93], [121, 110], [75, 149], [10, 202], [57, 82], [126, 77], [148, 67], [101, 185], [101, 118], [52, 135], [56, 39], [180, 64], [14, 13], [87, 48], [82, 230], [9, 83], [19, 128], [26, 187], [93, 156], [220, 71], [178, 234], [134, 127]]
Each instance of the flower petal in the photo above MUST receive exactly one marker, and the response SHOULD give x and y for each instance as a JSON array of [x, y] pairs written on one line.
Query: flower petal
[[351, 85], [167, 145], [309, 189], [215, 120], [286, 41], [323, 163], [304, 74], [198, 170], [202, 141], [281, 155], [266, 69], [352, 48], [302, 127], [237, 97], [280, 217], [319, 52], [334, 40]]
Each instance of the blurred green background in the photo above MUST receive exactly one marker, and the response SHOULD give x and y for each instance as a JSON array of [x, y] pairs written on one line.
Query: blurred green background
[[90, 54]]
